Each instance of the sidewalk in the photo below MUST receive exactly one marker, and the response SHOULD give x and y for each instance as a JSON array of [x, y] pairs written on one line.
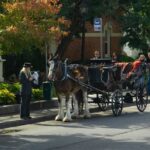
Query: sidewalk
[[40, 111], [7, 121]]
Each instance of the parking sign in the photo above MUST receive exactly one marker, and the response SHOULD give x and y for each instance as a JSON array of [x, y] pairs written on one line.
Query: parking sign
[[97, 24]]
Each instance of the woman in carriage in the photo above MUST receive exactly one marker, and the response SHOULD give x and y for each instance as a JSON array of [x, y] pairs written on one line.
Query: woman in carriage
[[137, 68], [136, 75], [129, 72]]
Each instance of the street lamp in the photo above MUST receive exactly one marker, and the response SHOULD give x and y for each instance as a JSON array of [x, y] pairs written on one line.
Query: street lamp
[[83, 11]]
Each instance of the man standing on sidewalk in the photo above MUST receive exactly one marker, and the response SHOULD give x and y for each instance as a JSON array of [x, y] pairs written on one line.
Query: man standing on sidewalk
[[26, 90]]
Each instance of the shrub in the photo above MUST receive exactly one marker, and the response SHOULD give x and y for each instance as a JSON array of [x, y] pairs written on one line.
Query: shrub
[[4, 86], [14, 88], [37, 94], [7, 97], [9, 93]]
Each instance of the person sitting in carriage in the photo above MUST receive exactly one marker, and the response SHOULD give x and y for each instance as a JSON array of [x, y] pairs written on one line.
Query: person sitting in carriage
[[137, 69], [96, 55], [114, 58]]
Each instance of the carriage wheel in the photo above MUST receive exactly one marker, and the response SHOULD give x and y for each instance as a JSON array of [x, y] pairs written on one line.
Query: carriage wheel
[[141, 98], [117, 102], [103, 103]]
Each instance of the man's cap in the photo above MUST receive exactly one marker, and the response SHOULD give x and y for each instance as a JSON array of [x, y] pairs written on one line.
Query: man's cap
[[27, 64]]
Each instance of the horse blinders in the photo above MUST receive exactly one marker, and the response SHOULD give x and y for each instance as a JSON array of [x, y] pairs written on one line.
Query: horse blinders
[[55, 70]]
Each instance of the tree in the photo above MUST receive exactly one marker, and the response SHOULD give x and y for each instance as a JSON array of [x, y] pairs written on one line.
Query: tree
[[28, 23], [34, 26], [72, 11], [136, 24], [133, 16]]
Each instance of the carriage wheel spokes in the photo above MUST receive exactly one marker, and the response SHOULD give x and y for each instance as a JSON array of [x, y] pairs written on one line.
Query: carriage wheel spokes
[[117, 102], [103, 103], [141, 98]]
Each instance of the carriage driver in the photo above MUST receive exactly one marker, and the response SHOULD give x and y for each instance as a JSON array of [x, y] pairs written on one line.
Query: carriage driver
[[136, 69]]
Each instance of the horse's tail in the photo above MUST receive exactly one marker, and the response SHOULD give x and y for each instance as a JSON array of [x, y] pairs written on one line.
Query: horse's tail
[[79, 98]]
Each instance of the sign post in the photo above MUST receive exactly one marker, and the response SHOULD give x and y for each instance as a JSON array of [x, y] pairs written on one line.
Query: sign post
[[98, 28]]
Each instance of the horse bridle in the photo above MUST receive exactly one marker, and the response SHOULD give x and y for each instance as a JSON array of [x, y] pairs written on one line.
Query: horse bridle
[[63, 67]]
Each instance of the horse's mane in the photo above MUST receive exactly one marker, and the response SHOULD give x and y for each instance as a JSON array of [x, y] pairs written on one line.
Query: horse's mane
[[78, 71]]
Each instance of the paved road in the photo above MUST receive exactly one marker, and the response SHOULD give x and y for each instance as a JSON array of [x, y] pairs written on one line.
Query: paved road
[[130, 131]]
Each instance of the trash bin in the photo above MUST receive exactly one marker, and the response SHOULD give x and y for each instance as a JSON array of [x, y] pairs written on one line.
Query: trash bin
[[47, 90]]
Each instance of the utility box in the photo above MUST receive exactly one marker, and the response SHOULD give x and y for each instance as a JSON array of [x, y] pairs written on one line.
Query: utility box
[[47, 90]]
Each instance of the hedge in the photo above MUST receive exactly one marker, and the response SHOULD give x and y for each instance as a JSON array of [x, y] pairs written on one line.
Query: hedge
[[9, 93], [6, 97]]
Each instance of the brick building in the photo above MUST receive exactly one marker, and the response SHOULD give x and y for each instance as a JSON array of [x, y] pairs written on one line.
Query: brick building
[[111, 34]]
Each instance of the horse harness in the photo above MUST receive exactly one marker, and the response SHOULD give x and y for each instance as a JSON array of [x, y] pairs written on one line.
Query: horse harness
[[78, 79]]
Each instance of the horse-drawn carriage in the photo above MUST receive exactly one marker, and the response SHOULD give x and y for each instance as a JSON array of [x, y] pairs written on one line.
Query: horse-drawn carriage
[[113, 88], [107, 81]]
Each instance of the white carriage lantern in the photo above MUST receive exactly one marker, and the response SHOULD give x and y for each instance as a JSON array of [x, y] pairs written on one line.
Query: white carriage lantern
[[1, 69]]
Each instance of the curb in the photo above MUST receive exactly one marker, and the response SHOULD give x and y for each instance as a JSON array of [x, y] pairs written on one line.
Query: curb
[[20, 122], [14, 109], [46, 117]]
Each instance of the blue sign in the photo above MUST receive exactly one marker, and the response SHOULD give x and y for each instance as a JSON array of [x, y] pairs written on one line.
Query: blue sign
[[97, 24]]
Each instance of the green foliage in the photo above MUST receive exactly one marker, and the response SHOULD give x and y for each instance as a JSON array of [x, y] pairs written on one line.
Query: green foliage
[[125, 58], [7, 97], [136, 24], [37, 94], [133, 15], [8, 93], [13, 88], [25, 24], [94, 8], [4, 86]]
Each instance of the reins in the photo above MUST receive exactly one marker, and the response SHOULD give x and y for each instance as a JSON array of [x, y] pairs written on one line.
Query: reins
[[88, 86], [66, 76]]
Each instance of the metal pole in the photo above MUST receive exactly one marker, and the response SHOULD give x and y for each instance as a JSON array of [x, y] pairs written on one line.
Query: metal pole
[[83, 42], [109, 42], [110, 28], [46, 69], [101, 39]]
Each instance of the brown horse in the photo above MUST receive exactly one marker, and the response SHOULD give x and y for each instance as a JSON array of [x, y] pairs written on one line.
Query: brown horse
[[67, 81]]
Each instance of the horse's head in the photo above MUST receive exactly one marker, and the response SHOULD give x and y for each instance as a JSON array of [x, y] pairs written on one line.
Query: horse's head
[[55, 70]]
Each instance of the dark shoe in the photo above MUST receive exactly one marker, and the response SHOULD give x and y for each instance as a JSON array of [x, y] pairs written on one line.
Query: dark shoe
[[29, 117], [24, 118]]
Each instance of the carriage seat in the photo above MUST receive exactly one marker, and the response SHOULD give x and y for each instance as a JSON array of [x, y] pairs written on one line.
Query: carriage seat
[[94, 74]]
